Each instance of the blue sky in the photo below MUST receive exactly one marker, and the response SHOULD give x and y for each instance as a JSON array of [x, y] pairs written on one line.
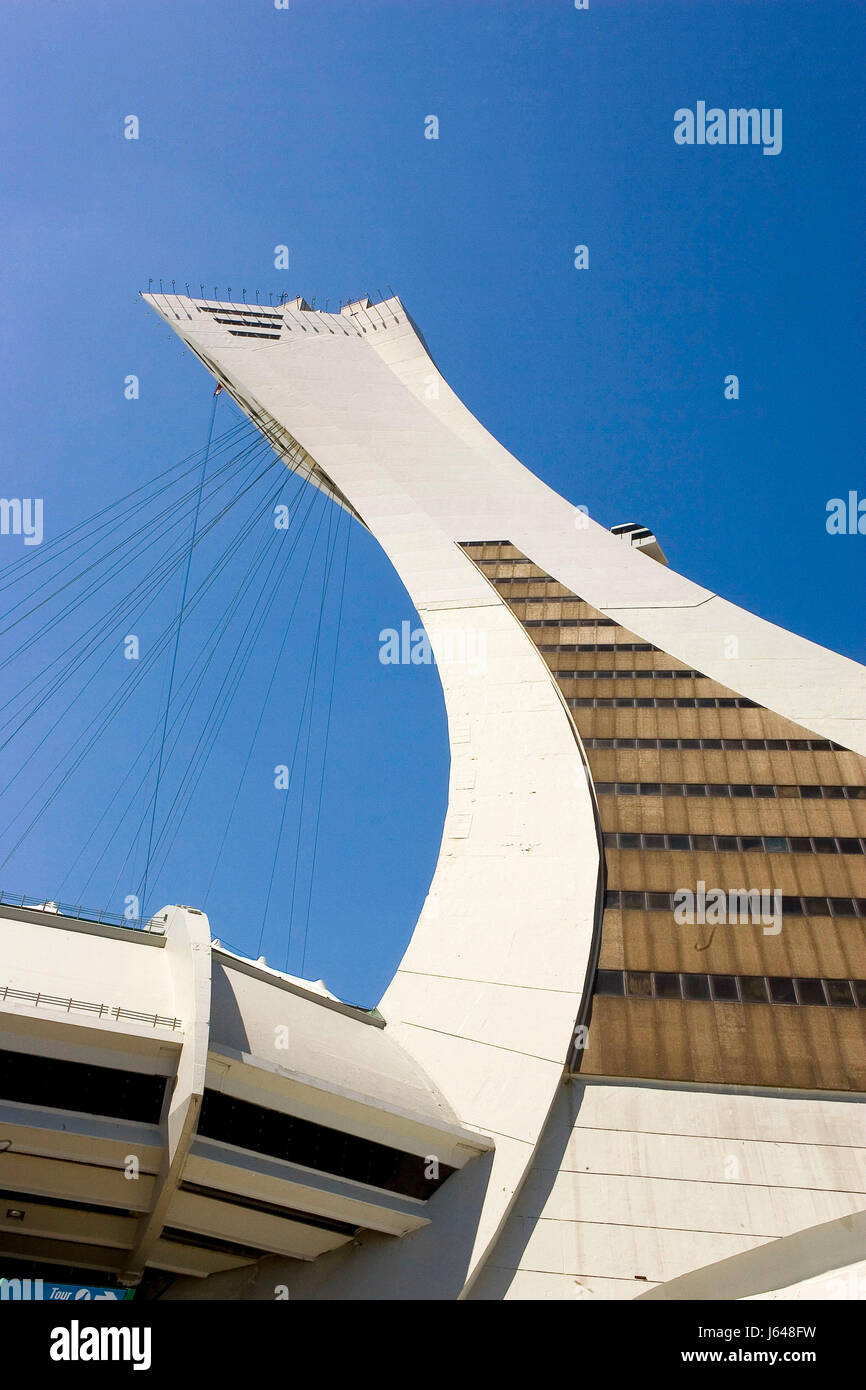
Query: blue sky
[[305, 127]]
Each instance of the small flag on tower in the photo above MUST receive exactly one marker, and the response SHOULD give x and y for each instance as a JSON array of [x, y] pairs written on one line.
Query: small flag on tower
[[219, 388]]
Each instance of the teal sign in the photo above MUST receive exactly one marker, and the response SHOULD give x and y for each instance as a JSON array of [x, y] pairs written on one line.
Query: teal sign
[[27, 1290]]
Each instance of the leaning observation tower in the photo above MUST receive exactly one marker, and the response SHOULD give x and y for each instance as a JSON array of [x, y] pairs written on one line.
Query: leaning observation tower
[[623, 1054]]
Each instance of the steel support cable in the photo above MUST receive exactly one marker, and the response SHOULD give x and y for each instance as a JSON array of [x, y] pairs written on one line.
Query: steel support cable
[[148, 528], [207, 739], [120, 698], [154, 581], [89, 642], [84, 643], [58, 546], [143, 895], [208, 736], [325, 748], [264, 704], [330, 559], [309, 689], [140, 596], [218, 712], [128, 686], [195, 682], [172, 506]]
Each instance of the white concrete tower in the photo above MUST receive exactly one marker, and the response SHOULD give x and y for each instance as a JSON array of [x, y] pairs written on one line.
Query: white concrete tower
[[614, 749]]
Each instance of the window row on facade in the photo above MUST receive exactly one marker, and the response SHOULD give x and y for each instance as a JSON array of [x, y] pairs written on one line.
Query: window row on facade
[[602, 647], [572, 622], [746, 844], [639, 900], [569, 622], [731, 789], [743, 989], [659, 702], [738, 745], [613, 673]]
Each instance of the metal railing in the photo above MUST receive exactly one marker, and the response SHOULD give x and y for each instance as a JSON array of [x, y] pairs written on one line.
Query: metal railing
[[53, 1001], [83, 914]]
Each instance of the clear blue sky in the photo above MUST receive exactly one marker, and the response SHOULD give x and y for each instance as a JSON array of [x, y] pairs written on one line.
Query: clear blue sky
[[306, 127]]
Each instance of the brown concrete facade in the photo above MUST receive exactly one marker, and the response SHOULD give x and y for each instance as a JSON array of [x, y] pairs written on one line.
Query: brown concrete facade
[[696, 784]]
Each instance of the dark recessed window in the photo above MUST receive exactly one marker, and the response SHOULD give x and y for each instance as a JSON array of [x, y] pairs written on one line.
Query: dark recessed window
[[717, 789], [824, 844], [810, 991], [679, 841], [843, 907], [781, 990], [792, 907], [753, 989], [695, 789], [63, 1085], [741, 790], [712, 743], [638, 982], [724, 987], [854, 793], [751, 843], [703, 842], [801, 844], [811, 793], [627, 840], [839, 993], [654, 841], [310, 1145], [650, 788], [635, 901], [660, 901], [609, 982], [726, 843], [776, 844], [850, 846], [860, 992], [786, 791], [667, 985], [696, 987], [816, 907]]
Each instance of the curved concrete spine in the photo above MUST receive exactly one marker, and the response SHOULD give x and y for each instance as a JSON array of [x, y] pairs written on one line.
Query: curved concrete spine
[[485, 999]]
